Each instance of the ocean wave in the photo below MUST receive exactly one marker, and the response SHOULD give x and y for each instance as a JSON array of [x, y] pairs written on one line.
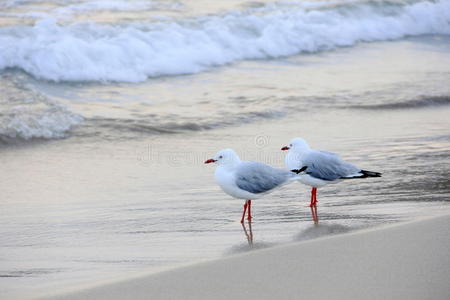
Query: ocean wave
[[26, 114], [117, 128], [414, 103], [137, 51]]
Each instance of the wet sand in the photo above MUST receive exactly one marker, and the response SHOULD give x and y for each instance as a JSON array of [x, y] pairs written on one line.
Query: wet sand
[[406, 261]]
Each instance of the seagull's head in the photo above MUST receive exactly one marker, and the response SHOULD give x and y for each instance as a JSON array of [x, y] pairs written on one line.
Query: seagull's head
[[298, 145], [224, 157]]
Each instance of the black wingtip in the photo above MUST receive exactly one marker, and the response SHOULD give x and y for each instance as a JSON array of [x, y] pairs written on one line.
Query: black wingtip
[[297, 171], [370, 173], [364, 174]]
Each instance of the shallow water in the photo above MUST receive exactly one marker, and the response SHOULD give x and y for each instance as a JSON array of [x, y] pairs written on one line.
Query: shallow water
[[102, 179]]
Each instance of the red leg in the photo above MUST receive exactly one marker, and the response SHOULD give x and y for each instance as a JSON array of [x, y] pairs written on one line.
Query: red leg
[[313, 197], [243, 213], [249, 217]]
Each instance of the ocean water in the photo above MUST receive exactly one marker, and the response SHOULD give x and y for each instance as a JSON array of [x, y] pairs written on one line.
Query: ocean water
[[109, 108]]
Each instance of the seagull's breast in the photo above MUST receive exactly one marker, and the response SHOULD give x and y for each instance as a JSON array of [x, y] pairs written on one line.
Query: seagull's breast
[[293, 161], [312, 181]]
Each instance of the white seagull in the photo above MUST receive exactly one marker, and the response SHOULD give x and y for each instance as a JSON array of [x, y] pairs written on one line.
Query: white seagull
[[247, 179], [320, 167]]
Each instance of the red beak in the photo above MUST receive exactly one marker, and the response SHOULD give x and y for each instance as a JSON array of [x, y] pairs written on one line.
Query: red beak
[[210, 161], [285, 148]]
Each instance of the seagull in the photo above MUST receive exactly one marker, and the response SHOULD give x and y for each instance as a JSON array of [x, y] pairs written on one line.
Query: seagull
[[247, 179], [320, 167]]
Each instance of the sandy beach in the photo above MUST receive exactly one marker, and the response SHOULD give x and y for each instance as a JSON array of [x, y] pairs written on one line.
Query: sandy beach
[[405, 261]]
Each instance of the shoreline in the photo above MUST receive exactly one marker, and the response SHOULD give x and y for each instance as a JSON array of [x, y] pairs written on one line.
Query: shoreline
[[402, 261]]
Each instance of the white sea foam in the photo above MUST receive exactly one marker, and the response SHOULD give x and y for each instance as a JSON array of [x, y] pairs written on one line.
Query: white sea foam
[[27, 114], [46, 121], [134, 52]]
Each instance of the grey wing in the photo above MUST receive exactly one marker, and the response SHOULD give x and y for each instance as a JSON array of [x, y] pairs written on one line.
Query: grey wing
[[255, 177], [328, 166], [328, 153]]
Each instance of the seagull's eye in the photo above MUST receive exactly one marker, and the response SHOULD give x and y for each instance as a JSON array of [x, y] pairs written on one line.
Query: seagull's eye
[[220, 156], [290, 145]]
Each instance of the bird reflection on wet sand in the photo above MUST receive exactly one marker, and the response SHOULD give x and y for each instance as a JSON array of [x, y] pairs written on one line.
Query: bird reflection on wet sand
[[314, 215], [249, 245], [249, 233]]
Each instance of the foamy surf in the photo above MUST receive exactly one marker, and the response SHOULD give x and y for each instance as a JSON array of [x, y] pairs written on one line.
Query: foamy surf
[[136, 51], [27, 114]]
